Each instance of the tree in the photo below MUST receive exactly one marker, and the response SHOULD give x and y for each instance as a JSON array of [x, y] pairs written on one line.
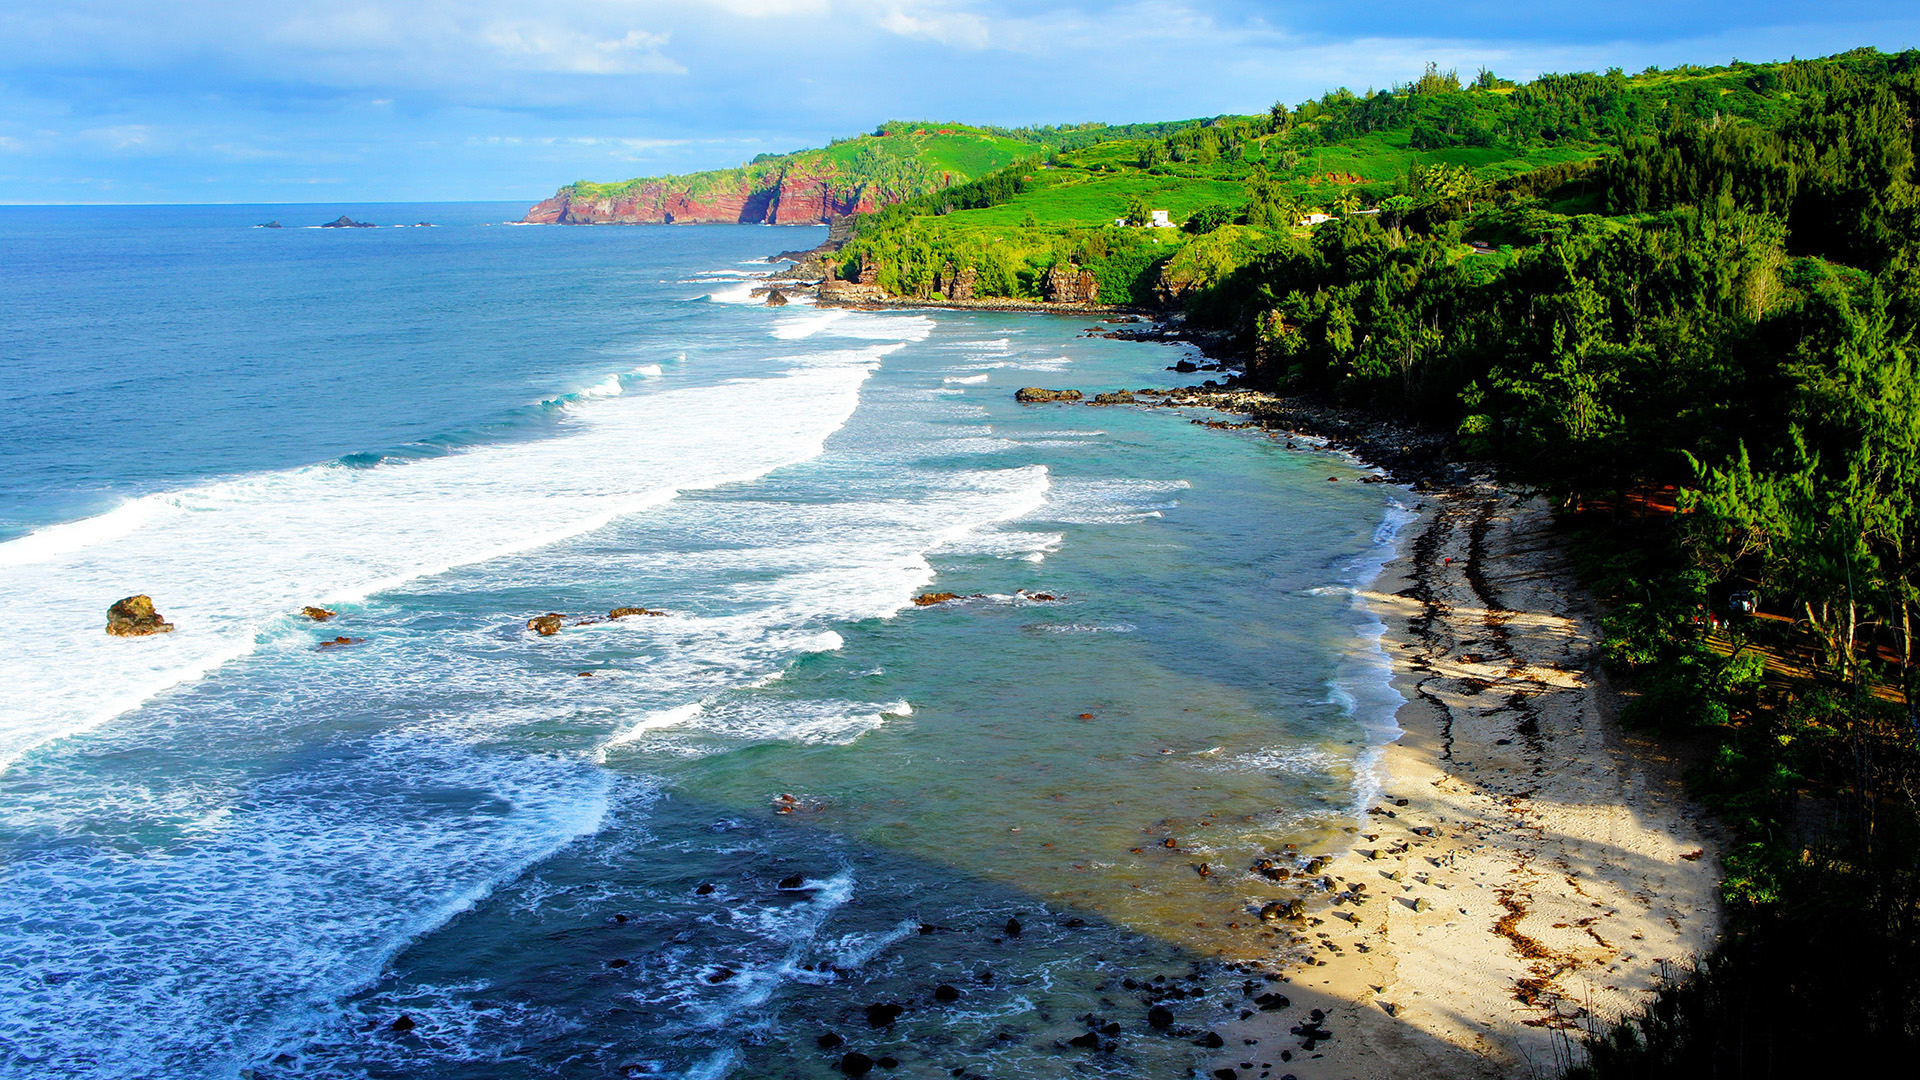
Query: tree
[[1138, 212]]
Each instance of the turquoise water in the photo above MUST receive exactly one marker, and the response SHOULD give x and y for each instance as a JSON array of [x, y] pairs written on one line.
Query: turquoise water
[[232, 852]]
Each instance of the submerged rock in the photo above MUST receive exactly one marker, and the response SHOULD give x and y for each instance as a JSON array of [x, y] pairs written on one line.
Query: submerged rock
[[341, 641], [856, 1064], [623, 612], [135, 617], [884, 1013]]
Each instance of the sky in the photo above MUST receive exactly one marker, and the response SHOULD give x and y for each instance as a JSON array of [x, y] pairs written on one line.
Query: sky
[[203, 101]]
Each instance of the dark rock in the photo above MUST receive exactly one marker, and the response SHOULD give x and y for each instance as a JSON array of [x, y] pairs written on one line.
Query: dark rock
[[404, 1023], [881, 1014], [340, 642], [1069, 284], [887, 1061], [1211, 1040], [1089, 1041], [856, 1063], [317, 614], [345, 222], [1031, 395], [1121, 397], [1186, 366], [831, 1040], [621, 918], [776, 298], [792, 882], [546, 625], [1013, 928], [135, 617], [618, 962], [705, 889], [1270, 1002], [623, 612], [1159, 1018], [946, 994], [270, 225], [1225, 1074], [932, 598], [719, 975]]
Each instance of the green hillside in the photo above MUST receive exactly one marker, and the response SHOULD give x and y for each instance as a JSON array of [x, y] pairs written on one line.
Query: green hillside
[[1683, 305]]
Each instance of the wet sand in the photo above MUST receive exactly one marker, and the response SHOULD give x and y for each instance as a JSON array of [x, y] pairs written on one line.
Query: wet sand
[[1529, 868]]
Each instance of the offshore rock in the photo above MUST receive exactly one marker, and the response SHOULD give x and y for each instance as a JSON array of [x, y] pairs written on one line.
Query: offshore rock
[[776, 298], [1031, 395], [1119, 397], [546, 625], [623, 612], [135, 617], [932, 598], [317, 614], [345, 222]]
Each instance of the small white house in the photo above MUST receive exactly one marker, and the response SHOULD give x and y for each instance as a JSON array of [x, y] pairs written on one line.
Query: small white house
[[1161, 220], [1120, 221], [1315, 218]]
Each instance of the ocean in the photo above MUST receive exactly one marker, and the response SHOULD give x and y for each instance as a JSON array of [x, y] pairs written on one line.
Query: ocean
[[700, 843]]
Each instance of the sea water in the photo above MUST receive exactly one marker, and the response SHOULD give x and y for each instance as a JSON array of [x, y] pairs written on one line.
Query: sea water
[[683, 844]]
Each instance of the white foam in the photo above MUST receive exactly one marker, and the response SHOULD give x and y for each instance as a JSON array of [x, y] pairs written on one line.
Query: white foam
[[966, 380], [228, 561], [793, 329]]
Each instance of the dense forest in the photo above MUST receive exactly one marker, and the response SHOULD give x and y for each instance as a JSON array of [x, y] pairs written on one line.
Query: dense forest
[[1682, 304]]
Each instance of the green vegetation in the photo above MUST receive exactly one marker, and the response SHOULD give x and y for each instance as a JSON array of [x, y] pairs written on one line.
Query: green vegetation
[[899, 159], [1700, 284]]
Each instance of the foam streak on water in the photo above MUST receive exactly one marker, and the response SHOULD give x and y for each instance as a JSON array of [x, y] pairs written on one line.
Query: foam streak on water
[[228, 563]]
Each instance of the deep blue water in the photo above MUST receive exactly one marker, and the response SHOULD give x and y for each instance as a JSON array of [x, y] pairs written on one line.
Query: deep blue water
[[232, 851]]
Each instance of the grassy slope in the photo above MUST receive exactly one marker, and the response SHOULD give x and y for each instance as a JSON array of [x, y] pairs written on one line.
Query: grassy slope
[[948, 149]]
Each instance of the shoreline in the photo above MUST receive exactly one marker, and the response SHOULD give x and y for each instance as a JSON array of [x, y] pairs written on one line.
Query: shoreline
[[1527, 869], [1521, 870]]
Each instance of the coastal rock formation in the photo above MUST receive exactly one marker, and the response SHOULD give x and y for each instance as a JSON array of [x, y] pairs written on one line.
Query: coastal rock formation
[[1069, 284], [341, 641], [270, 225], [1033, 395], [135, 617], [623, 612], [776, 298], [317, 614], [865, 287], [932, 598], [1118, 397], [795, 195], [956, 284], [546, 625], [345, 222]]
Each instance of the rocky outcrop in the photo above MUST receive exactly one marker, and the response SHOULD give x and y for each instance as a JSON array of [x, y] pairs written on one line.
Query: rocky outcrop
[[1033, 395], [546, 625], [956, 284], [790, 196], [623, 612], [317, 614], [345, 222], [135, 617], [1069, 284], [865, 287], [1118, 397], [776, 298]]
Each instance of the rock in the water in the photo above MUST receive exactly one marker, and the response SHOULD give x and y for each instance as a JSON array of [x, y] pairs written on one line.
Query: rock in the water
[[932, 598], [135, 617], [1159, 1018], [829, 1041], [1121, 397], [317, 614], [404, 1023], [856, 1064], [793, 881], [623, 612], [1211, 1040], [946, 994], [887, 1061], [1185, 366], [776, 298], [546, 625], [1089, 1041], [882, 1014], [1032, 395], [1012, 928], [341, 641], [705, 889], [269, 225], [345, 222]]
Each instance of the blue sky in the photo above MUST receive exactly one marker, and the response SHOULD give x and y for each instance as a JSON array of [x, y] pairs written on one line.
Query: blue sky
[[361, 100]]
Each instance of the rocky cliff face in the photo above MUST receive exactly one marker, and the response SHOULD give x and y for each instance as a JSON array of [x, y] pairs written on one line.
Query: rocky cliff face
[[789, 197], [1067, 283]]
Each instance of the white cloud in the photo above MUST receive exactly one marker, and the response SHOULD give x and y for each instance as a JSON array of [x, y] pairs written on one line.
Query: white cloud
[[543, 47]]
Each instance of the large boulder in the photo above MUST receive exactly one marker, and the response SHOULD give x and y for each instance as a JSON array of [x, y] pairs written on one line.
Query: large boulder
[[546, 625], [135, 617], [1035, 394]]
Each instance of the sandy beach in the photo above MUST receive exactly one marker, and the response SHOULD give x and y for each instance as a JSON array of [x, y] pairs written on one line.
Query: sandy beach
[[1528, 865]]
